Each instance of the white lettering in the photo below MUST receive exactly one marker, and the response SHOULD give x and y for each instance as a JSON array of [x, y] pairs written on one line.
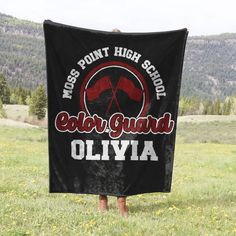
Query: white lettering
[[90, 155], [74, 145], [148, 151], [120, 147]]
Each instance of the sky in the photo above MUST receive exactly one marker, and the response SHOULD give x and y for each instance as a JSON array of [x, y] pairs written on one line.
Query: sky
[[201, 17]]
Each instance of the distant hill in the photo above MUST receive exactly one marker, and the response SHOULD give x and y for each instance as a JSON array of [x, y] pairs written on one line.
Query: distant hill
[[209, 68], [22, 52]]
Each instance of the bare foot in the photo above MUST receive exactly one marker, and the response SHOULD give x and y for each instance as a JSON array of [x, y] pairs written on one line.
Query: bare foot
[[121, 205], [103, 203]]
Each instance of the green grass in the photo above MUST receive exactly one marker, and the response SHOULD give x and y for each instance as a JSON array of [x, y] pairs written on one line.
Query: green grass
[[208, 132], [21, 113], [202, 201]]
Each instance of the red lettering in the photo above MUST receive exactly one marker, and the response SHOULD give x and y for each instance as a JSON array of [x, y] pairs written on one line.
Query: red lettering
[[101, 124], [81, 123], [89, 124], [118, 124], [129, 125], [61, 121], [72, 124]]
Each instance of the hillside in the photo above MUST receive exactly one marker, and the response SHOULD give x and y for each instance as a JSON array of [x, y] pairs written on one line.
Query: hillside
[[22, 53], [209, 68]]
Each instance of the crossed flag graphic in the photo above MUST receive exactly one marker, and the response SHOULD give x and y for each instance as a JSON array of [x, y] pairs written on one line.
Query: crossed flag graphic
[[123, 84]]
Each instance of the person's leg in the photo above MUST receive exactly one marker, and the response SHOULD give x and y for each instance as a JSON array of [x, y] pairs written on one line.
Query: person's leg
[[121, 204], [103, 203]]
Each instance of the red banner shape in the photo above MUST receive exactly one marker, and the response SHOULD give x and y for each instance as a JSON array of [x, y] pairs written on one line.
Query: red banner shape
[[100, 86], [129, 88]]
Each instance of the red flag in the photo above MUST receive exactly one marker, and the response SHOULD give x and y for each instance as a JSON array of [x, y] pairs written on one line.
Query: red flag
[[129, 88], [99, 87]]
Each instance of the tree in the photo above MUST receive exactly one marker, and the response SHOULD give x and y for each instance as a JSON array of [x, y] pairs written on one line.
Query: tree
[[208, 108], [4, 90], [2, 112], [190, 106], [38, 103], [233, 105], [227, 105], [21, 94], [217, 107]]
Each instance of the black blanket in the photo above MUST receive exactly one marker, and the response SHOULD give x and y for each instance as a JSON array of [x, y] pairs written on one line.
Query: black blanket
[[112, 109]]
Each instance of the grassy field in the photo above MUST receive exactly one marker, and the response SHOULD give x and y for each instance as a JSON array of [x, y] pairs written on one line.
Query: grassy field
[[21, 113], [202, 201], [16, 112]]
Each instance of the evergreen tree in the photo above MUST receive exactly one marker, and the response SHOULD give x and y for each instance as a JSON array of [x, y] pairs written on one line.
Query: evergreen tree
[[21, 95], [233, 105], [210, 108], [217, 107], [13, 98], [38, 103], [2, 112], [4, 90], [227, 106], [27, 100]]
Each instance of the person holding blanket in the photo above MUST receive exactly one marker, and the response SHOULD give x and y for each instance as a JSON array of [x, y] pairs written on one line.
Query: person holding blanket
[[121, 200]]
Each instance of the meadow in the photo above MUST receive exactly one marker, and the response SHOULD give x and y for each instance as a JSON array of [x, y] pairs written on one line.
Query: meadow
[[202, 201]]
